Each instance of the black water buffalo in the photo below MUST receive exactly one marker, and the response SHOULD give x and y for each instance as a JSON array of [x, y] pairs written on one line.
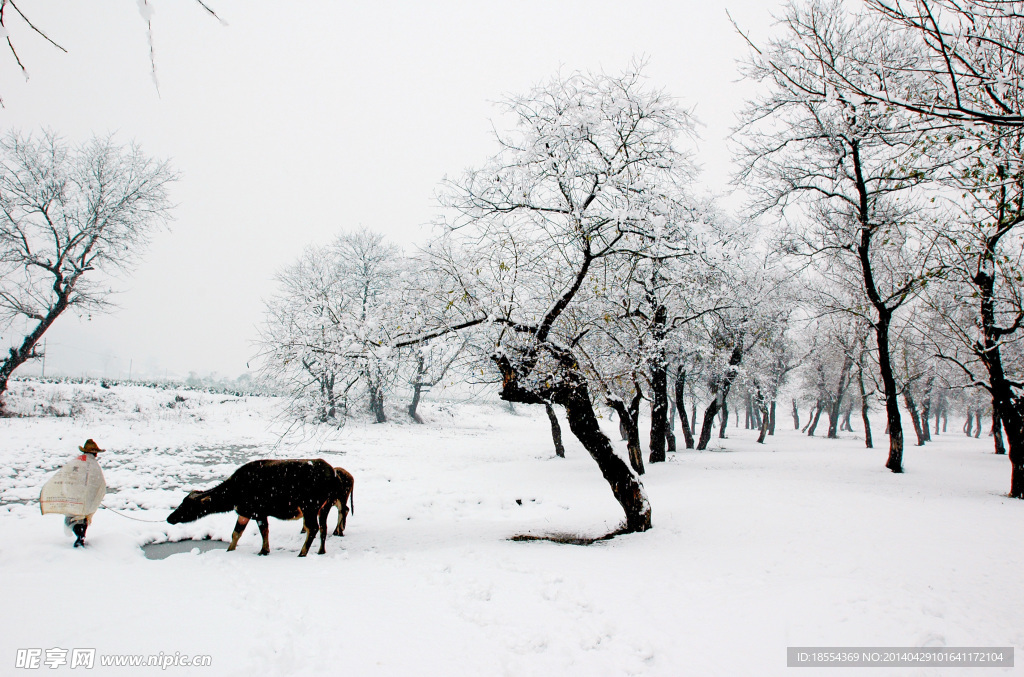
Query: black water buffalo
[[284, 489]]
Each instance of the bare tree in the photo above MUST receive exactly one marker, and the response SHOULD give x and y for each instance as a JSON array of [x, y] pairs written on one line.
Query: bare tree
[[301, 347], [982, 299], [972, 61], [737, 330], [644, 309], [839, 167], [11, 14], [431, 362], [326, 333], [70, 218], [573, 186], [369, 268]]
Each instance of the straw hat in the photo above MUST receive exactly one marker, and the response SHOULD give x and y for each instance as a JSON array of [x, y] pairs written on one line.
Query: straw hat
[[90, 447]]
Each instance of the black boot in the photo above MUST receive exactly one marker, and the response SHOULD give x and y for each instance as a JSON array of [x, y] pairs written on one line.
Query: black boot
[[79, 531]]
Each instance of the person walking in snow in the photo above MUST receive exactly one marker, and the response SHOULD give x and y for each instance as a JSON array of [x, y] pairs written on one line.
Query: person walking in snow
[[76, 491]]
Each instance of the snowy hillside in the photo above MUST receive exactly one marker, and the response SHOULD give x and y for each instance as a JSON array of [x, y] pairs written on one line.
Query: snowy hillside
[[799, 542]]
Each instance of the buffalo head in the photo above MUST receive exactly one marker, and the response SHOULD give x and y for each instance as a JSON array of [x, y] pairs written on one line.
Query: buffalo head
[[197, 504]]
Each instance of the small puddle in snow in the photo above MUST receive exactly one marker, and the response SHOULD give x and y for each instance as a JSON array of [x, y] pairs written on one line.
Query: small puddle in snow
[[168, 548]]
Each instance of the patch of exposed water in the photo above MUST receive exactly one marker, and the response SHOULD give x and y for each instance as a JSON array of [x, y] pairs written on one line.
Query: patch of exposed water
[[168, 548]]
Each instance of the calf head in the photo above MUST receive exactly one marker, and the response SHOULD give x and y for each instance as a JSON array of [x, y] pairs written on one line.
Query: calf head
[[197, 504]]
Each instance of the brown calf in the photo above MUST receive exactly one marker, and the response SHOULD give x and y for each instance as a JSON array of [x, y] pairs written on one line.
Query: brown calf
[[347, 495]]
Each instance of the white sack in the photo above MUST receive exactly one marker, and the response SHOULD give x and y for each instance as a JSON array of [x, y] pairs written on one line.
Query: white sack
[[77, 489]]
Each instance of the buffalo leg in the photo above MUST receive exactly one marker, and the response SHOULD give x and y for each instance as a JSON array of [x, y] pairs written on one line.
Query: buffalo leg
[[265, 533], [322, 514], [309, 518], [237, 533]]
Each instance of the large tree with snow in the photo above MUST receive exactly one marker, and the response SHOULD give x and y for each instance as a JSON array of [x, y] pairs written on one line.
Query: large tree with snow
[[982, 298], [586, 177], [71, 217], [840, 168]]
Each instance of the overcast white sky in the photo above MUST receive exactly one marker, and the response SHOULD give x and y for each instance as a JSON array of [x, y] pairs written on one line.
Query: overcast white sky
[[297, 120]]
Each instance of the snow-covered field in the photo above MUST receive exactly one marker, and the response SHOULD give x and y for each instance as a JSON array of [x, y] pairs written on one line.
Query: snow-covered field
[[799, 542]]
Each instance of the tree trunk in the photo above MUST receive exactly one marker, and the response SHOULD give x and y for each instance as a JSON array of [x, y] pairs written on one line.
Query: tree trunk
[[926, 409], [997, 431], [814, 422], [720, 392], [864, 402], [892, 405], [771, 419], [681, 407], [723, 419], [915, 417], [377, 403], [705, 427], [764, 418], [571, 392], [628, 420], [626, 486], [414, 405], [659, 408], [556, 430], [796, 416], [1008, 407], [27, 350], [670, 433], [926, 413], [812, 417], [837, 401], [417, 389], [884, 312]]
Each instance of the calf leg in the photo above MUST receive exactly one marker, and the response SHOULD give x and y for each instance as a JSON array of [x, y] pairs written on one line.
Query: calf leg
[[265, 533], [309, 518], [342, 518], [237, 533]]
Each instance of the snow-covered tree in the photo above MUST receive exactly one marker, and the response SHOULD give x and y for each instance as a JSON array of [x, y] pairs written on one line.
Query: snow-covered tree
[[981, 299], [744, 325], [833, 351], [839, 168], [588, 175], [327, 333], [972, 64], [71, 218]]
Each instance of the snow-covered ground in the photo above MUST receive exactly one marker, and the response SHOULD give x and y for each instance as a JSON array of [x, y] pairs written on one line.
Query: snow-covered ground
[[799, 542]]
